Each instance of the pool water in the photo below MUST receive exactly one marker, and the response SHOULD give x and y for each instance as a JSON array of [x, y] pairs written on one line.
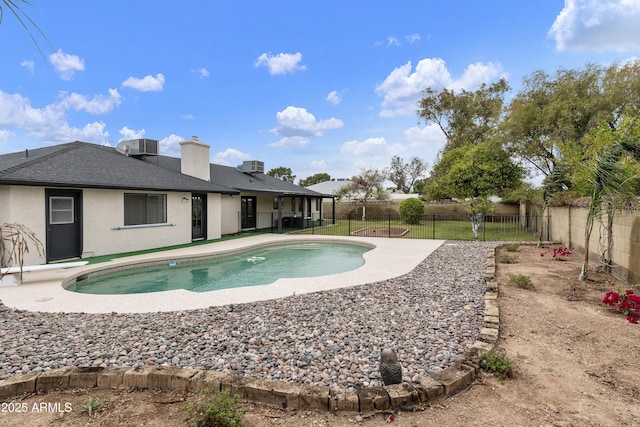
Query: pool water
[[250, 268]]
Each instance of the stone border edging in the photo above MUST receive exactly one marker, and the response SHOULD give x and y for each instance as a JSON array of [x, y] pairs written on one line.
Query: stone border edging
[[278, 393]]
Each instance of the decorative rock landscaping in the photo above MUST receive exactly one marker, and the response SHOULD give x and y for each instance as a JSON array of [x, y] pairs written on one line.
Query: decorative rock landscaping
[[325, 346]]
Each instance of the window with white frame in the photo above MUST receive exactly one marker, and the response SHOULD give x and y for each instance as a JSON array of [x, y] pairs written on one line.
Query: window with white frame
[[61, 210]]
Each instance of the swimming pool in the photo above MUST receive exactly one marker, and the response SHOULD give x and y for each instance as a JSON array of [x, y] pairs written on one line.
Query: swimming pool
[[252, 267]]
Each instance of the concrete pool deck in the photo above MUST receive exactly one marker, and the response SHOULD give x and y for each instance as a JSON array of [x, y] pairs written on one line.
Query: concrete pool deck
[[43, 291]]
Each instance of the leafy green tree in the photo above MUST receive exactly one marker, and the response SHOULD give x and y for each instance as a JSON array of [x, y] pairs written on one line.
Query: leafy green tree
[[472, 174], [614, 179], [548, 121], [405, 175], [314, 179], [419, 186], [467, 120], [464, 117], [411, 210], [364, 187], [282, 173], [478, 171]]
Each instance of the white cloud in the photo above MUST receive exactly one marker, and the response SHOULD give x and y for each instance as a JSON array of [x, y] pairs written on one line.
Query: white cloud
[[403, 87], [126, 133], [146, 84], [187, 116], [370, 147], [412, 38], [99, 104], [334, 97], [281, 63], [370, 153], [318, 165], [65, 64], [395, 41], [4, 136], [48, 124], [476, 74], [597, 25], [169, 146], [230, 156], [29, 65], [203, 73], [296, 126]]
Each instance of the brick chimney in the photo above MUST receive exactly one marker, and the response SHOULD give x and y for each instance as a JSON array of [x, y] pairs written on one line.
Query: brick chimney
[[194, 159]]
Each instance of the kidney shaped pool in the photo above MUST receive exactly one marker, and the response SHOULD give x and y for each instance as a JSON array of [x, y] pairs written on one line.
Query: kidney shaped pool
[[252, 267]]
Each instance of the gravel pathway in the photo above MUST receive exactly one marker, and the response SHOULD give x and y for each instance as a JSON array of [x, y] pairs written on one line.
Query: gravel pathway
[[430, 316]]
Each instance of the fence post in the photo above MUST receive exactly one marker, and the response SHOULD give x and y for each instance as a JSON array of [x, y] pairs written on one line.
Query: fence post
[[389, 222], [484, 228], [349, 224], [433, 226]]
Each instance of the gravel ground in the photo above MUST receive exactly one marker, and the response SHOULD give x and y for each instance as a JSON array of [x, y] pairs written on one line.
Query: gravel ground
[[430, 316]]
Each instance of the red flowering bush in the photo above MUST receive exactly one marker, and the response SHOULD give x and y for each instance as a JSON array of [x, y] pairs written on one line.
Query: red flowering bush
[[558, 252], [626, 302]]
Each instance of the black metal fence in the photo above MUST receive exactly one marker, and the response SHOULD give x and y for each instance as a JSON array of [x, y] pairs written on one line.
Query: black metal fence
[[446, 227]]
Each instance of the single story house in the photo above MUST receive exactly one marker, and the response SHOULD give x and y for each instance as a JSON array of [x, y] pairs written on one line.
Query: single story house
[[84, 200]]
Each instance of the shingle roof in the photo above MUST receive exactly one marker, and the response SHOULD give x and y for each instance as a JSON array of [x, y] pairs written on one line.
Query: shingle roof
[[86, 165], [233, 177], [81, 164]]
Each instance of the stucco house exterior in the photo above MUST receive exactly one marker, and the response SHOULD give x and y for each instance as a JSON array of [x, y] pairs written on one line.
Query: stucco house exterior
[[84, 200]]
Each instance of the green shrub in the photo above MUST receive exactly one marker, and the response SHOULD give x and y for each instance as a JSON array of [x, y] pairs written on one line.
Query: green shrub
[[411, 210], [507, 259], [520, 280], [512, 247], [211, 408], [91, 406], [497, 362]]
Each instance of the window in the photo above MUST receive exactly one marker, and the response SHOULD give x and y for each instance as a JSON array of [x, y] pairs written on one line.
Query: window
[[145, 208], [275, 203], [60, 210]]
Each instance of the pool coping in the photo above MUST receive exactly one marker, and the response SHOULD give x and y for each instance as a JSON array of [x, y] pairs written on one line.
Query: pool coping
[[43, 291], [282, 394]]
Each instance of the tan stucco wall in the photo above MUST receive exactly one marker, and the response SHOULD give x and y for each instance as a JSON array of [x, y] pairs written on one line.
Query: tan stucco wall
[[25, 205], [104, 231], [568, 226], [229, 215], [103, 220], [214, 215]]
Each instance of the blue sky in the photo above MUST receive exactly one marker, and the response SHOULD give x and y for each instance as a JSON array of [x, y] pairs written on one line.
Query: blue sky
[[326, 86]]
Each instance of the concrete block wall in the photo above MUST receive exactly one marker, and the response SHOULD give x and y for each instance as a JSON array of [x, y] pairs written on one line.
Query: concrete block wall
[[567, 225]]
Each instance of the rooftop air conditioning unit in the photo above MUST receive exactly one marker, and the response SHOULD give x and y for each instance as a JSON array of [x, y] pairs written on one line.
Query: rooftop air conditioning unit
[[252, 166], [138, 147]]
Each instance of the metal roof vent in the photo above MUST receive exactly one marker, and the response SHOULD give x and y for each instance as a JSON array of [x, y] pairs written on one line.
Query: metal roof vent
[[252, 166], [138, 147]]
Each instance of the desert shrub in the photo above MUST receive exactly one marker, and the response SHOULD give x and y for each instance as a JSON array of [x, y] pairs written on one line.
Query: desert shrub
[[512, 247], [507, 259], [411, 210], [212, 408], [497, 362], [520, 280]]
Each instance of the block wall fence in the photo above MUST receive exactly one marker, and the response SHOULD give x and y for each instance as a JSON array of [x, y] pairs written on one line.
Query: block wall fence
[[567, 225]]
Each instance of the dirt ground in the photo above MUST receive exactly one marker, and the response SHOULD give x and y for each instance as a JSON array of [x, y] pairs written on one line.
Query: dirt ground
[[579, 365]]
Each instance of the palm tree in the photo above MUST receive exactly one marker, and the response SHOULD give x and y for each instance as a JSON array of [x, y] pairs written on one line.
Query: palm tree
[[15, 7], [610, 190]]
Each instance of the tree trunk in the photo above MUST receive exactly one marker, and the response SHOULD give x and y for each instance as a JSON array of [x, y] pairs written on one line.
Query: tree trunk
[[584, 272]]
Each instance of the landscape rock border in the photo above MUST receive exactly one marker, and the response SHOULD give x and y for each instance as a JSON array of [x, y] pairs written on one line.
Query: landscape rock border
[[276, 393]]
